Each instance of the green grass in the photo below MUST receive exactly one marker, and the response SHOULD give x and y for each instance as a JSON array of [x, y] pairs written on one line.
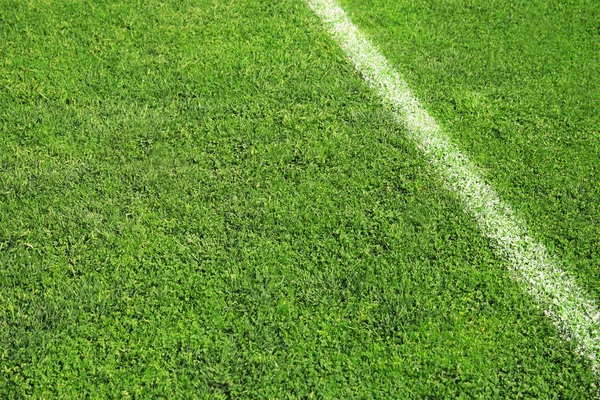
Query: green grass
[[203, 199], [517, 86]]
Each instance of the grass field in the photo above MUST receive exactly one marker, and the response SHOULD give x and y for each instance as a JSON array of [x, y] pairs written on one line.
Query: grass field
[[204, 199]]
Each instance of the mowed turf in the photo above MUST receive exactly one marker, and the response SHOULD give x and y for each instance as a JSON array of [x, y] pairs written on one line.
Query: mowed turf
[[517, 87], [203, 199]]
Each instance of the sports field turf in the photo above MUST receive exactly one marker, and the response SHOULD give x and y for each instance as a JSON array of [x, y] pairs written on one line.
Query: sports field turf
[[204, 199]]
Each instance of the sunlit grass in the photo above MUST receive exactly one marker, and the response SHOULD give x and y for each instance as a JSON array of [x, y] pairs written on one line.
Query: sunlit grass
[[203, 199]]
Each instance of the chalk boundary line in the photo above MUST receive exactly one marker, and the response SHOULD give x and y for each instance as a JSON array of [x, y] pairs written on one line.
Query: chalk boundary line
[[562, 300]]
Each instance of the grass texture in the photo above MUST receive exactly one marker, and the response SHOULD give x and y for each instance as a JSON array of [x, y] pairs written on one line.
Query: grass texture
[[203, 199]]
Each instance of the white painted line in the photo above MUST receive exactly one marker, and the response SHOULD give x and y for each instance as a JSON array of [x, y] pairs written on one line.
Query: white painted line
[[569, 308]]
